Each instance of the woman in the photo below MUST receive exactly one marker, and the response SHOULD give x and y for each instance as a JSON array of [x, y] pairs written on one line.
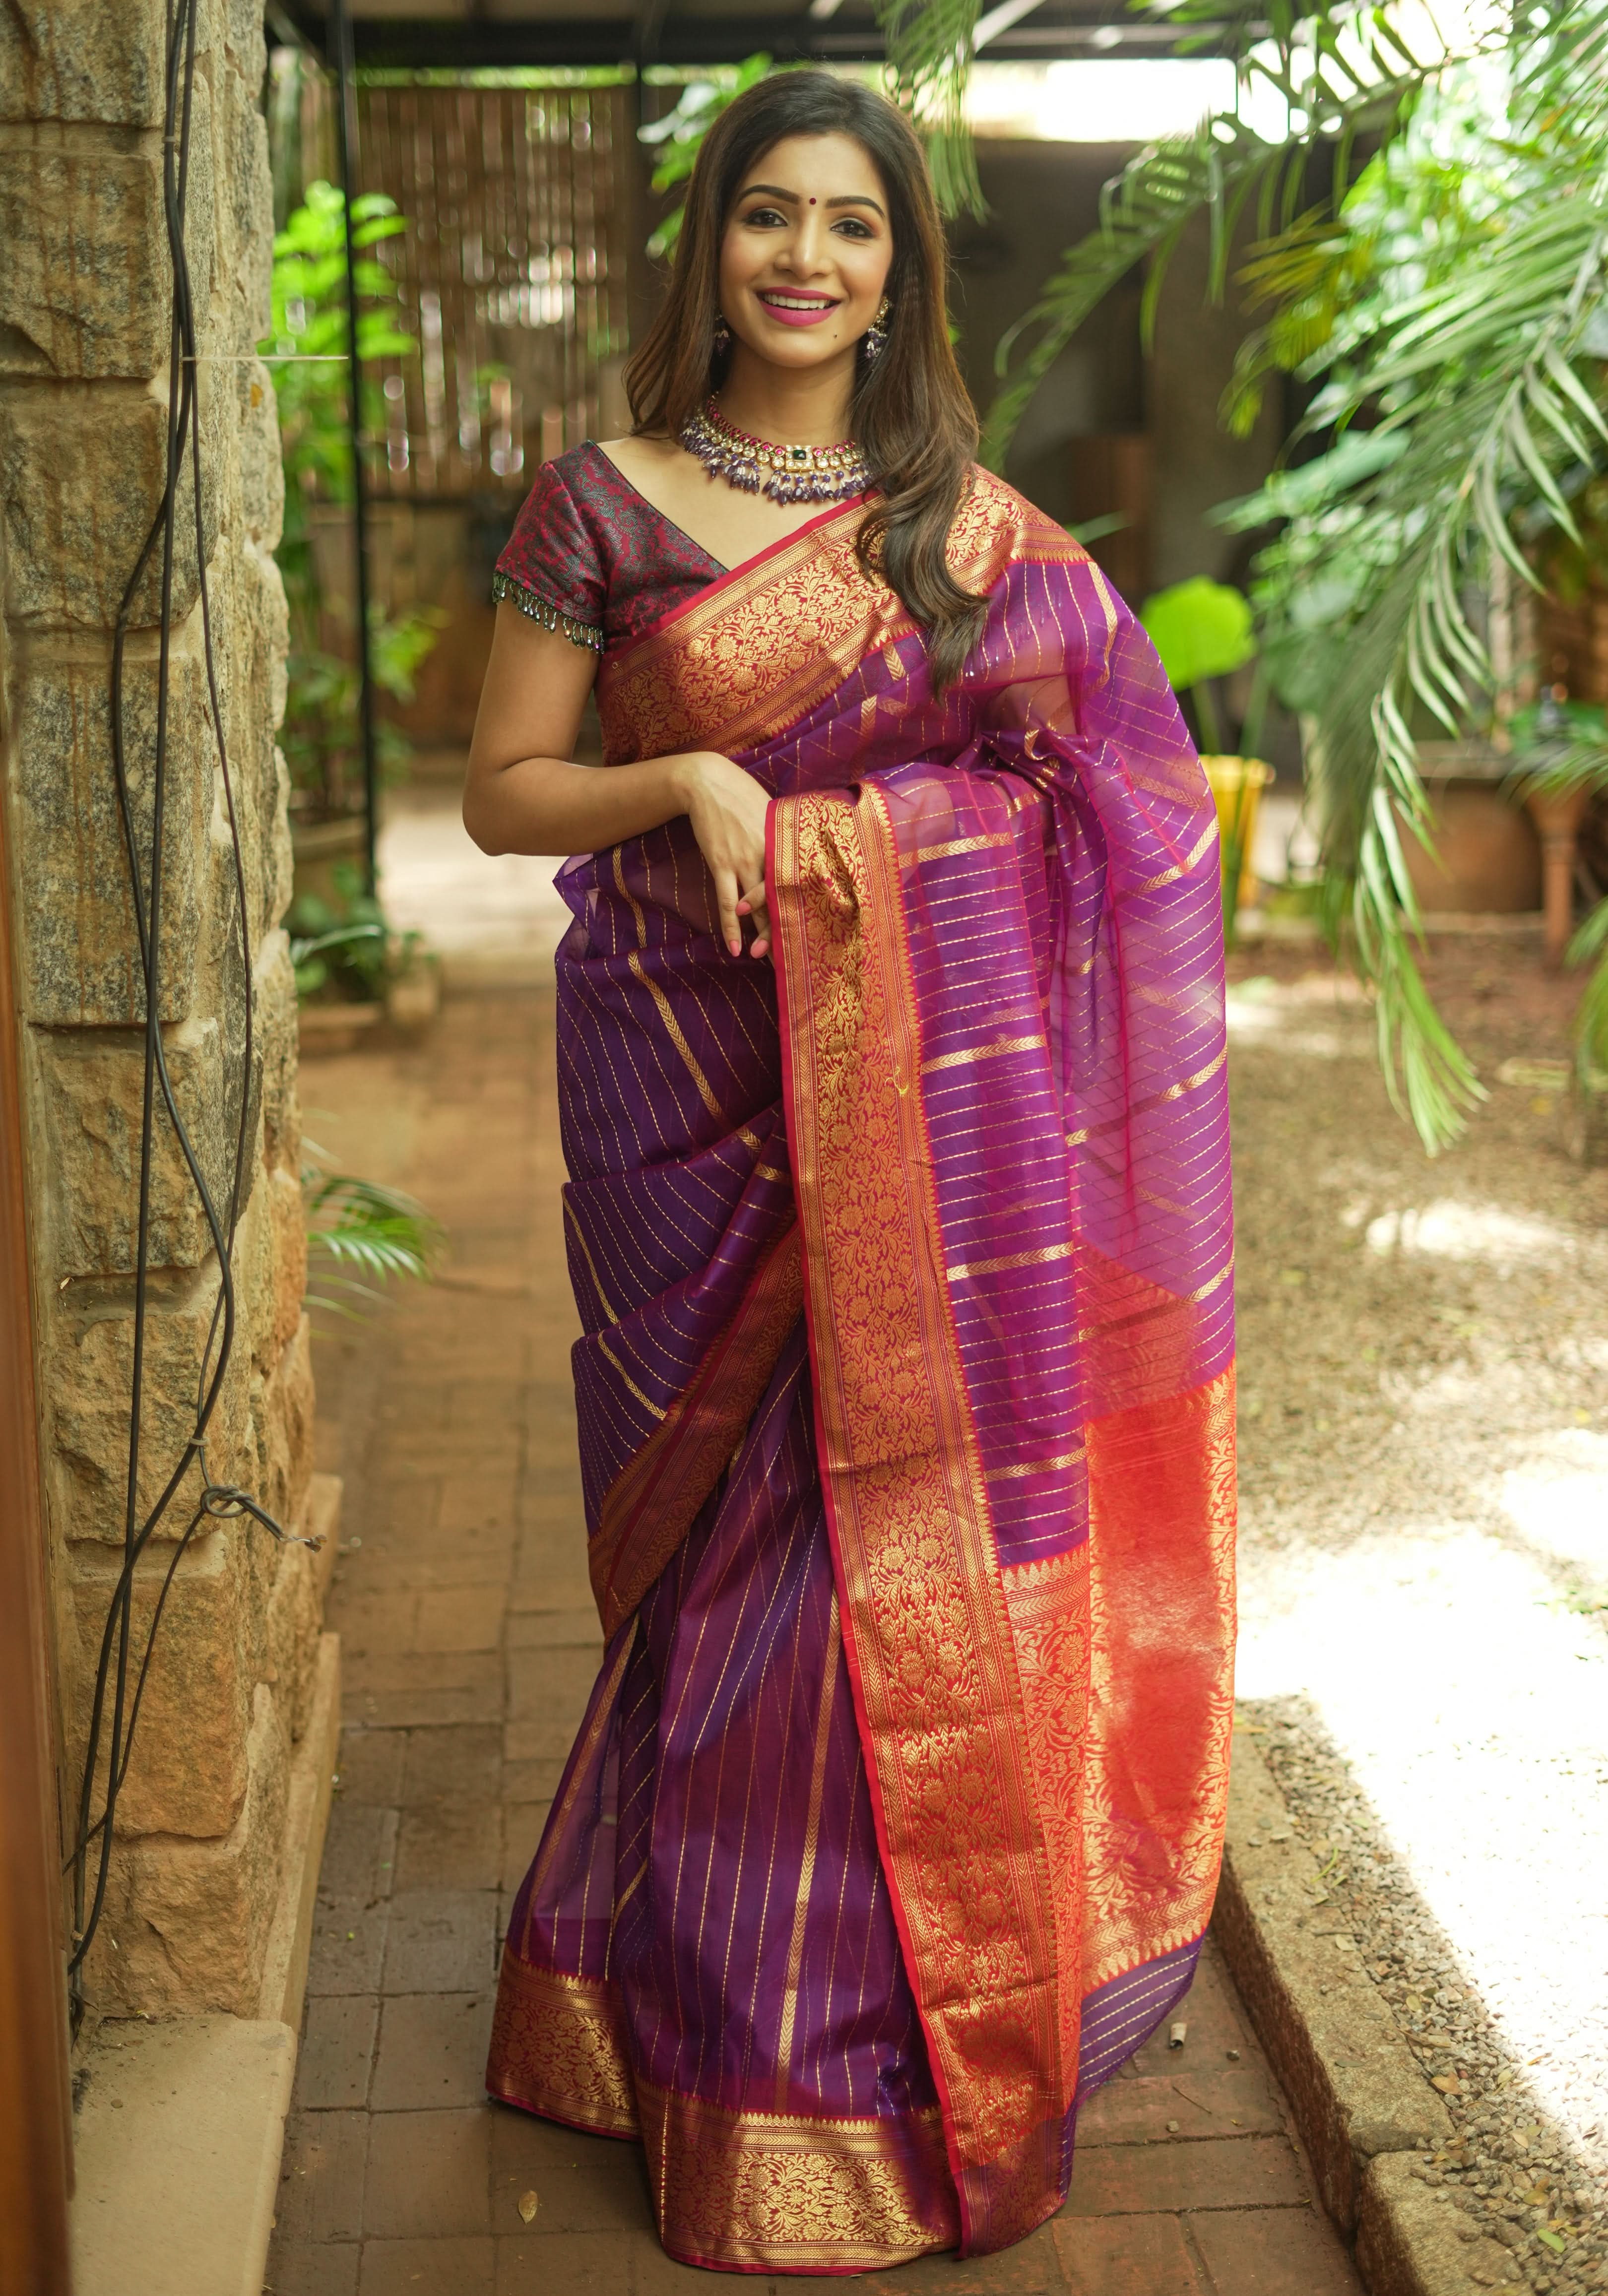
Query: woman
[[891, 1037]]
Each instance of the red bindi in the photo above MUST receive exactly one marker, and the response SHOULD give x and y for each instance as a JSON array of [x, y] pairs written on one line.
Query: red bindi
[[812, 203]]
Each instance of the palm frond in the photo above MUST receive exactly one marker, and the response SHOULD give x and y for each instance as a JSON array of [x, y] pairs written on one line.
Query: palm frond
[[1476, 373], [360, 1224], [1589, 945], [1343, 70], [928, 47]]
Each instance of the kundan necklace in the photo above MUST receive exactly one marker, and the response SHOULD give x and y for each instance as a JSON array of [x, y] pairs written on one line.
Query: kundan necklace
[[787, 474]]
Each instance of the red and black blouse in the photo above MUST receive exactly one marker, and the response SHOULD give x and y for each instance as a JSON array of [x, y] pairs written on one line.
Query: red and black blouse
[[592, 558]]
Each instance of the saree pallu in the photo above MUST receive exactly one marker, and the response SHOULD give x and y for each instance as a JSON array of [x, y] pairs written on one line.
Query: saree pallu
[[906, 1407]]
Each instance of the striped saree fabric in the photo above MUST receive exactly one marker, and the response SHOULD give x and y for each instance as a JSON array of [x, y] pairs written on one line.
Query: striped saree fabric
[[906, 1410]]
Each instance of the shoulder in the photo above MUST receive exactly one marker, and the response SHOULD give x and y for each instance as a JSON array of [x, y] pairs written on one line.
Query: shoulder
[[551, 567], [994, 525], [566, 483]]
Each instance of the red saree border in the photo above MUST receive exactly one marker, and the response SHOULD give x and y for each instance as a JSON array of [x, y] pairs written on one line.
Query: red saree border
[[649, 1508], [1162, 1515], [746, 566], [927, 1631], [750, 655]]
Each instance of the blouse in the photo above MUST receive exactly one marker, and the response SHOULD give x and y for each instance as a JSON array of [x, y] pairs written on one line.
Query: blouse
[[592, 558]]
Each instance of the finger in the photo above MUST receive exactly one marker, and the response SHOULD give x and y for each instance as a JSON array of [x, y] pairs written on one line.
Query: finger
[[760, 944], [725, 895]]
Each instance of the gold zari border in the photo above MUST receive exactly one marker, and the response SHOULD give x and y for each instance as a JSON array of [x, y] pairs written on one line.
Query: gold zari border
[[926, 1621], [769, 2192], [558, 2048], [749, 656], [754, 2191]]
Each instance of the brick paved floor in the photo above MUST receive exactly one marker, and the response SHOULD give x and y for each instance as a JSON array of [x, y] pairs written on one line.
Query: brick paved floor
[[469, 1644]]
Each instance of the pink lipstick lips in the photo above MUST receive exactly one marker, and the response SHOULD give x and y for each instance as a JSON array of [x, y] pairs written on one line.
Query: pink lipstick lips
[[797, 310]]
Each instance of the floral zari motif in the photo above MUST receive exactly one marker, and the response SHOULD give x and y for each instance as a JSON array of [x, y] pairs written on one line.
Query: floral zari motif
[[1047, 1741], [925, 1618]]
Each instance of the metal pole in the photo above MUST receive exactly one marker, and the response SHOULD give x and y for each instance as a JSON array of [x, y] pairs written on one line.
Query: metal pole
[[340, 41]]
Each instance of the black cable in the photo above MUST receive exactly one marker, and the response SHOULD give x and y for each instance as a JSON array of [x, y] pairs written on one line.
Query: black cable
[[218, 1501]]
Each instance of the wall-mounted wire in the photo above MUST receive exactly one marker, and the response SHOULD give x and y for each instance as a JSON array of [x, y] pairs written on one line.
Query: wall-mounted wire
[[216, 1501]]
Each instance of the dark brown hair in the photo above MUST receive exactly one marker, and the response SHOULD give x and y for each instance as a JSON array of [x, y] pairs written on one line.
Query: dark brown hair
[[909, 412]]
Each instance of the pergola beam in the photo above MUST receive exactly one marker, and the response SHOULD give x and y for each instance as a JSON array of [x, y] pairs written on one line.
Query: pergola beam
[[682, 38]]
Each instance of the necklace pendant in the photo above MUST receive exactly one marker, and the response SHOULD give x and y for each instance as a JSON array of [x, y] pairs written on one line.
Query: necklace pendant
[[784, 474]]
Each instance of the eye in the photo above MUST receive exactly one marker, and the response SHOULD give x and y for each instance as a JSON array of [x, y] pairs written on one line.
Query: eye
[[854, 227], [766, 217]]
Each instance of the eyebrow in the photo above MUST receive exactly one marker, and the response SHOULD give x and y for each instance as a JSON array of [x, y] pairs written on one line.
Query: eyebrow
[[845, 200]]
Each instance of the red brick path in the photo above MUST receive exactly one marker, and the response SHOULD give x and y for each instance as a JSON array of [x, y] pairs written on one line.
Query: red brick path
[[470, 1644]]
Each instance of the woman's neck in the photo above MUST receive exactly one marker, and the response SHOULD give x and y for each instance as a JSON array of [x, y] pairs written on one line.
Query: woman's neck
[[788, 406]]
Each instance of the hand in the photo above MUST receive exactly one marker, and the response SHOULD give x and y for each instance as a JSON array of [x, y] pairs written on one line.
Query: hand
[[727, 807]]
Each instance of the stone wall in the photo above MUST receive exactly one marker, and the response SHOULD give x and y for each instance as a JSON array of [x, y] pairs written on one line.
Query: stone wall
[[84, 331]]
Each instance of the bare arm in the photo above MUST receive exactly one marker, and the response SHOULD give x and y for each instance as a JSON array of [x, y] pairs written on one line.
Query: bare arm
[[525, 795]]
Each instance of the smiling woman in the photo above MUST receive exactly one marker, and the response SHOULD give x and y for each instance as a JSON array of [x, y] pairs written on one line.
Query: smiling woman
[[903, 1257]]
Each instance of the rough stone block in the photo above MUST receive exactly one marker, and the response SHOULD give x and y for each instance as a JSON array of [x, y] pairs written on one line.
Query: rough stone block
[[88, 1366], [261, 468], [276, 1026], [244, 171], [85, 286], [248, 616], [187, 1774], [292, 1637], [91, 1092], [80, 60], [187, 1922], [1355, 2087], [79, 943], [288, 1216], [82, 470], [281, 1411], [243, 37]]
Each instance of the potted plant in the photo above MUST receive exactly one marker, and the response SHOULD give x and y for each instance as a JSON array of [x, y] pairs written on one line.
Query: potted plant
[[1202, 631]]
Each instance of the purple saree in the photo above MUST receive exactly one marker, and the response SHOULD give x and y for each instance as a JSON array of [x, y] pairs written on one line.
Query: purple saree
[[906, 1405]]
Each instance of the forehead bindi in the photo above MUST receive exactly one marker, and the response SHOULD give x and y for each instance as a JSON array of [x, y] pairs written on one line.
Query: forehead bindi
[[819, 171]]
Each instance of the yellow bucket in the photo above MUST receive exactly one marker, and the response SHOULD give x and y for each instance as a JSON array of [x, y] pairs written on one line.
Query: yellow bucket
[[1236, 787]]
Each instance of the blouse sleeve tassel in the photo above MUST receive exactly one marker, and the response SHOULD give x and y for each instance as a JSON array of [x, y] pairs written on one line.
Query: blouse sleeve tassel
[[542, 610]]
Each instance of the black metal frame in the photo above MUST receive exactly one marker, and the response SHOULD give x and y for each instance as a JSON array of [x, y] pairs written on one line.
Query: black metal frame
[[343, 64], [663, 34]]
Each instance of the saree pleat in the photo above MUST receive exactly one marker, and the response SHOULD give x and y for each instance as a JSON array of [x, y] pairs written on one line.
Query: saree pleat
[[906, 1402]]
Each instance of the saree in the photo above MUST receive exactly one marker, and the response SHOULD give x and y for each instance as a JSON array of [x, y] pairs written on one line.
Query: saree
[[906, 1405]]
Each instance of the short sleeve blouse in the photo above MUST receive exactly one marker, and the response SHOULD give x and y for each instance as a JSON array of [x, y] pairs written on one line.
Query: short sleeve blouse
[[592, 558]]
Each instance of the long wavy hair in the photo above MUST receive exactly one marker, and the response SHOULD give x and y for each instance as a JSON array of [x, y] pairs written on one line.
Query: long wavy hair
[[910, 412]]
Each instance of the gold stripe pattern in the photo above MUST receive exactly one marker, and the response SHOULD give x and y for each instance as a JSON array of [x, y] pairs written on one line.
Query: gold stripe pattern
[[1039, 1258], [609, 1308], [649, 1507], [1157, 1100], [1208, 837], [964, 1059], [1018, 1468], [920, 854], [609, 1355], [806, 1866]]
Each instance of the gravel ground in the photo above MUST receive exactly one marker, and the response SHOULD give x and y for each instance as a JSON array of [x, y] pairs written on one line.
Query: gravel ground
[[1424, 1557]]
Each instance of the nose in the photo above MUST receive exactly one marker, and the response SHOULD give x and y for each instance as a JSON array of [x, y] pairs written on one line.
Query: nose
[[807, 248]]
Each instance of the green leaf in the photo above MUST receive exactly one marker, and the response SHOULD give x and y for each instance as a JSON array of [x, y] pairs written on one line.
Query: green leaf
[[1200, 630]]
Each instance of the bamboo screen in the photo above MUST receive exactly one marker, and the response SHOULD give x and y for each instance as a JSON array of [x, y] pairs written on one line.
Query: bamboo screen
[[511, 272]]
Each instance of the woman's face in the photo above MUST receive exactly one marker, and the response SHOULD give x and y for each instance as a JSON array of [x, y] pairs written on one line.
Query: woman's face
[[807, 251]]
